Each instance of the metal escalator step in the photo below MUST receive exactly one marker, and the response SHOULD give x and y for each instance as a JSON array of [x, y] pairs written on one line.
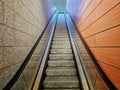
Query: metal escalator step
[[61, 42], [59, 39], [58, 31], [61, 31], [61, 50], [61, 46], [60, 59], [61, 63], [60, 56], [59, 82], [53, 71], [61, 36]]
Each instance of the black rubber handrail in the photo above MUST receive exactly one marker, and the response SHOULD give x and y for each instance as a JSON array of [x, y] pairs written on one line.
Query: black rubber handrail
[[39, 77], [99, 69], [24, 64]]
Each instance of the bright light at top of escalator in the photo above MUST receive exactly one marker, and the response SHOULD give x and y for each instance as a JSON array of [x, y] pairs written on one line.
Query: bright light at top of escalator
[[54, 9], [59, 4]]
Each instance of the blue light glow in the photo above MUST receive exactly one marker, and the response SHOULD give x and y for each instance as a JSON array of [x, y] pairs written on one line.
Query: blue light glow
[[73, 7], [54, 9]]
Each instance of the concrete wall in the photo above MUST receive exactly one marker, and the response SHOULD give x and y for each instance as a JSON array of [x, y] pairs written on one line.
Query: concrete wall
[[98, 22], [21, 22]]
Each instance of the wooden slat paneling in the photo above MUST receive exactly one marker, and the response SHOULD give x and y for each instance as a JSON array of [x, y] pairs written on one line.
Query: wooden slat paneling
[[92, 50], [112, 73], [101, 31], [110, 19], [85, 6], [102, 9], [89, 10], [89, 31], [85, 24], [109, 38], [90, 41], [108, 55]]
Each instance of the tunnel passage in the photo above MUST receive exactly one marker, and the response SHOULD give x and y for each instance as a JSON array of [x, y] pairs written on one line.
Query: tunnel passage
[[23, 21]]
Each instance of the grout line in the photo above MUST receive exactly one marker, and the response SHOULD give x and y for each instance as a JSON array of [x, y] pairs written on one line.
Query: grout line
[[17, 29]]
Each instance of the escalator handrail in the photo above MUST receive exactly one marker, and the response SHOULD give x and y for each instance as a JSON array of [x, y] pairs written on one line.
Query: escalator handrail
[[39, 76], [82, 76], [13, 80], [99, 69]]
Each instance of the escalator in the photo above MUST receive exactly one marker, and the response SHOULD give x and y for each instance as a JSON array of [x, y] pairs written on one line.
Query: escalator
[[61, 71], [59, 60]]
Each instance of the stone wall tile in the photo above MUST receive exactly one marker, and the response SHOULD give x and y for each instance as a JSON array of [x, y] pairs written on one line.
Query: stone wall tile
[[9, 56], [5, 76], [23, 39], [3, 79], [10, 3], [17, 5], [1, 57], [1, 12], [8, 36], [21, 53], [23, 25], [1, 33], [19, 22], [9, 17]]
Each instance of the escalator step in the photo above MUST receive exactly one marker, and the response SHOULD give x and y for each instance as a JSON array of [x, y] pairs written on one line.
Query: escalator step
[[61, 50], [61, 71], [67, 82], [61, 63], [56, 39], [61, 46], [61, 42], [61, 56]]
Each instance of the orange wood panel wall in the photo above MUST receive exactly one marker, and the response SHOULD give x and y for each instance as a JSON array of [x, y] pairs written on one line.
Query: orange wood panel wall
[[99, 24]]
